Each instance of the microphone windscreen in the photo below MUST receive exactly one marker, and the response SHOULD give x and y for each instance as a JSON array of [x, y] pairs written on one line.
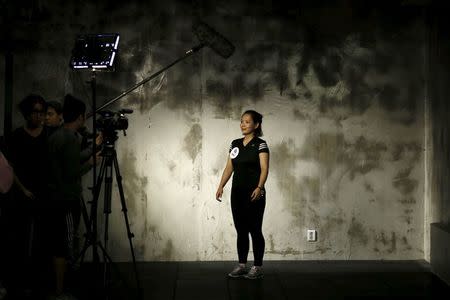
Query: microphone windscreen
[[213, 39]]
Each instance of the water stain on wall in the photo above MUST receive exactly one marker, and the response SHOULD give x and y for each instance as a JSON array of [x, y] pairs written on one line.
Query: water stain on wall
[[407, 216], [299, 115], [365, 156], [142, 237], [395, 100], [259, 67], [184, 86], [286, 252], [333, 222], [147, 98], [221, 96], [244, 86], [328, 68], [328, 103], [384, 244], [327, 149], [271, 243], [388, 97], [338, 60], [368, 187], [132, 181], [357, 232], [135, 190], [193, 141], [405, 243], [410, 152], [328, 226], [408, 201], [360, 96], [318, 250], [313, 215], [281, 76], [259, 57], [167, 252], [283, 158], [171, 165], [332, 150], [403, 183], [311, 186]]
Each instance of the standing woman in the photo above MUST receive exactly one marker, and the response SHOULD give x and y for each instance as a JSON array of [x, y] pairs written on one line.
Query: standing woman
[[249, 160]]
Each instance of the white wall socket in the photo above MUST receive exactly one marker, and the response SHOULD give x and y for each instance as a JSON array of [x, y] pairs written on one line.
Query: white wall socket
[[311, 235]]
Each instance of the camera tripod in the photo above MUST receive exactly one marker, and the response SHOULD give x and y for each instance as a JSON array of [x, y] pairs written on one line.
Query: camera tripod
[[87, 58], [108, 165]]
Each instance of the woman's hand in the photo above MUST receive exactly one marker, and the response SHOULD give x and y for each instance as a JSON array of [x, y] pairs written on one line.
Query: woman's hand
[[257, 193], [219, 194]]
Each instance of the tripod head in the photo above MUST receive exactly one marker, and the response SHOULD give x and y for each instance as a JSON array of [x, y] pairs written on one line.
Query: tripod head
[[110, 122]]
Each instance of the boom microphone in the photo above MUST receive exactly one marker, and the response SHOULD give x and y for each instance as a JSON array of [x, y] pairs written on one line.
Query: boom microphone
[[211, 38]]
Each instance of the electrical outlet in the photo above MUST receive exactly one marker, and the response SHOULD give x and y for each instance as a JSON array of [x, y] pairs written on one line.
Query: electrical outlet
[[311, 235]]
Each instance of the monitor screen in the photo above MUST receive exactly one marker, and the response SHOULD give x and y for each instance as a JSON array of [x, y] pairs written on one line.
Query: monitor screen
[[95, 51]]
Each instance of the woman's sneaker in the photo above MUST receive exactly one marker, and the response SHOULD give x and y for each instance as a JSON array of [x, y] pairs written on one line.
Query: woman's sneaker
[[254, 273], [239, 271]]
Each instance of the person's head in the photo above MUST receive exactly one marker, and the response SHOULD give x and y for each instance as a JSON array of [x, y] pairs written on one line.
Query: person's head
[[53, 116], [74, 111], [251, 122], [32, 108]]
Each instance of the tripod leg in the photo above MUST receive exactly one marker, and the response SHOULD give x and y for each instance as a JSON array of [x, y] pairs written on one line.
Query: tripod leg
[[108, 263], [107, 212], [94, 206], [127, 223], [91, 231], [88, 234]]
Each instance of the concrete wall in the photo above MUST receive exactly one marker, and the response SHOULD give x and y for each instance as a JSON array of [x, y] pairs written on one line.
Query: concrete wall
[[438, 129], [438, 169], [341, 88]]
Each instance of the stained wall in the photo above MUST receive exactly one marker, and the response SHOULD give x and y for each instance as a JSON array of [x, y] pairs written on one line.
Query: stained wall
[[341, 86]]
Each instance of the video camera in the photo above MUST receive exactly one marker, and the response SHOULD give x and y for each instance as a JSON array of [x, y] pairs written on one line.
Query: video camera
[[109, 122]]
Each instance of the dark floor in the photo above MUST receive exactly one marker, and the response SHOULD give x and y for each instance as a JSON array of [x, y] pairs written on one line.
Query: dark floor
[[283, 280]]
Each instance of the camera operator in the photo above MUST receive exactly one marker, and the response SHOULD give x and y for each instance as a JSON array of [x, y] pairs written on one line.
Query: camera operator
[[64, 183], [86, 145], [85, 139]]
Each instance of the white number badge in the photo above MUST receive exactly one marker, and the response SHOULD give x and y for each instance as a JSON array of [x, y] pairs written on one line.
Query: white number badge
[[234, 153]]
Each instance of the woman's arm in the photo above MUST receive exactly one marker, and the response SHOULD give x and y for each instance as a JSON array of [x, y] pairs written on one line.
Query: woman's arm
[[225, 177], [264, 164]]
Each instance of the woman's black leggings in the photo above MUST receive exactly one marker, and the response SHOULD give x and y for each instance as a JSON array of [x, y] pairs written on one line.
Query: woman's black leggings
[[248, 218]]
